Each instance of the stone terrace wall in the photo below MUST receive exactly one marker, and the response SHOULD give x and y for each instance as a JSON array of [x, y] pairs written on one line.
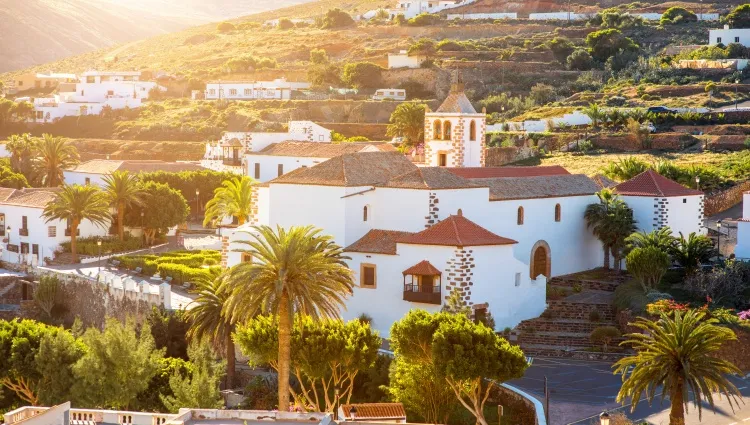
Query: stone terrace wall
[[578, 311], [661, 141], [374, 132]]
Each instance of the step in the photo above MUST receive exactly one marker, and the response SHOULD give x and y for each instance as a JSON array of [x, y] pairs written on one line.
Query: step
[[596, 285], [563, 309], [560, 339], [542, 324]]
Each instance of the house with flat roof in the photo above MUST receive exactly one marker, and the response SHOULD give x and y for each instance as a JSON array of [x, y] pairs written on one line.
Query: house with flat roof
[[93, 171]]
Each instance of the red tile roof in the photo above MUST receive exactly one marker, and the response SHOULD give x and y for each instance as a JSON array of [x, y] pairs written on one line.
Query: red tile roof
[[651, 183], [456, 230], [374, 411], [423, 268], [378, 241], [492, 172]]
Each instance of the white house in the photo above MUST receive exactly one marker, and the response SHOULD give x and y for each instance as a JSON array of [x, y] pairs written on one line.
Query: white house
[[94, 171], [412, 8], [742, 250], [249, 90], [27, 237], [659, 202], [402, 59], [94, 91], [454, 134], [729, 35], [280, 158], [228, 153]]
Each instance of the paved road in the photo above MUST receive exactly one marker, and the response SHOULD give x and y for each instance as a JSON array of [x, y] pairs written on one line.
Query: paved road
[[745, 104], [580, 390]]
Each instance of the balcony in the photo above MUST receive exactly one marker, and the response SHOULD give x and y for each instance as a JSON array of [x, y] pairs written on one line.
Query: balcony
[[427, 295], [67, 232], [232, 161], [23, 232]]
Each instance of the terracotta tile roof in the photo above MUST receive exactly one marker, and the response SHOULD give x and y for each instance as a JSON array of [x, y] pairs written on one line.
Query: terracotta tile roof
[[457, 102], [423, 268], [507, 188], [430, 178], [373, 411], [31, 197], [5, 193], [651, 183], [107, 166], [456, 230], [604, 182], [355, 169], [378, 242], [233, 142], [315, 149], [493, 172]]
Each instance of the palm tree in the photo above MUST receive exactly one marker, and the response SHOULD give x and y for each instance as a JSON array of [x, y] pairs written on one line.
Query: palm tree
[[661, 238], [625, 169], [407, 121], [54, 154], [295, 270], [21, 149], [595, 113], [674, 353], [611, 221], [209, 322], [123, 192], [693, 251], [232, 199], [75, 203]]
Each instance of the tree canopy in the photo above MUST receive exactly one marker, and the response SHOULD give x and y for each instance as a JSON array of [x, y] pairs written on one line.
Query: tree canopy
[[162, 207], [407, 121], [606, 43], [362, 75]]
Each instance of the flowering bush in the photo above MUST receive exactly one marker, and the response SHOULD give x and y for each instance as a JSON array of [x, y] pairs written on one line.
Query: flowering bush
[[665, 306], [744, 315]]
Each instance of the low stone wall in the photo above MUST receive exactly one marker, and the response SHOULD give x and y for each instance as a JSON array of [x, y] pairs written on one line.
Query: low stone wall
[[725, 200], [660, 141], [374, 132], [496, 157], [580, 311], [737, 351], [580, 355], [596, 285], [552, 325]]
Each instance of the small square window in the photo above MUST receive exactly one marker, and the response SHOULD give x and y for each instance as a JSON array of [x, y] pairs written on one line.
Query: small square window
[[52, 231], [718, 40], [368, 278], [736, 39], [684, 200]]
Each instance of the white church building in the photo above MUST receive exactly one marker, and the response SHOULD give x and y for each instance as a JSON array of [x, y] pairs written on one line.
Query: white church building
[[742, 250], [416, 232]]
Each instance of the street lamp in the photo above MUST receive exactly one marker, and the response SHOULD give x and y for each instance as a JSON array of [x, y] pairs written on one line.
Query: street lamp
[[143, 231], [736, 89], [336, 404], [8, 244], [197, 203], [718, 239], [99, 244], [604, 418], [697, 182]]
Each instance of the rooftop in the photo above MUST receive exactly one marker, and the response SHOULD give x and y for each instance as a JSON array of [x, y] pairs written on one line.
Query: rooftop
[[493, 172], [320, 149], [422, 268], [507, 188], [108, 166], [357, 169], [430, 178], [28, 197], [378, 241], [374, 411], [456, 230], [651, 183]]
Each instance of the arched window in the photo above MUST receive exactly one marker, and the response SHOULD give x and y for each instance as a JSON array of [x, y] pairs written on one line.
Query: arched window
[[364, 213], [437, 130], [473, 131], [447, 130], [520, 216], [557, 212]]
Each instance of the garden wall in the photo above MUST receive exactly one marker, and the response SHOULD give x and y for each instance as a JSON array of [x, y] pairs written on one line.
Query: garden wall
[[737, 351], [374, 132], [495, 157], [725, 200], [661, 141]]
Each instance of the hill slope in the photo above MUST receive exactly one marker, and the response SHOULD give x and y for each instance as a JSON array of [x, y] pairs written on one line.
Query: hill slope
[[39, 31]]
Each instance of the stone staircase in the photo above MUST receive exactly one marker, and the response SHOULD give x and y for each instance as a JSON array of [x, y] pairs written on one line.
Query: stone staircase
[[567, 323]]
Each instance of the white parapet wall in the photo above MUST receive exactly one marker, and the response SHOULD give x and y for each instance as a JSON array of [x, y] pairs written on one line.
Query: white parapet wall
[[560, 16]]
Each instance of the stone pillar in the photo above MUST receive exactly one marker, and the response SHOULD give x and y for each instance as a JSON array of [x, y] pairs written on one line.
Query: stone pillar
[[224, 250]]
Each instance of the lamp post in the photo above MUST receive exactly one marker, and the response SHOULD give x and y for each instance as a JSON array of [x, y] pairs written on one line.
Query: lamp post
[[99, 244], [8, 244], [197, 204], [143, 231], [736, 91], [718, 239], [697, 182], [604, 418], [336, 404]]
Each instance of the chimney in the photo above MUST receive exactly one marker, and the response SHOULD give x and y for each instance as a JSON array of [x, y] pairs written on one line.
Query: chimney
[[460, 213]]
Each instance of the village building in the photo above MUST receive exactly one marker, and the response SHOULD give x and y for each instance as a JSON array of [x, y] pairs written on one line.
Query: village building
[[93, 93], [403, 59], [250, 90], [94, 171], [728, 35], [417, 232], [412, 8], [742, 249], [39, 80], [28, 238]]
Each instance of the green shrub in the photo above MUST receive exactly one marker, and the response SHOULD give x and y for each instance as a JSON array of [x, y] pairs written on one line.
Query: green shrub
[[677, 15], [603, 335], [225, 27], [88, 246], [181, 273], [424, 19], [630, 296]]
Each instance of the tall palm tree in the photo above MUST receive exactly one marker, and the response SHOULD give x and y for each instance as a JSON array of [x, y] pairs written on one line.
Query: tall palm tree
[[295, 270], [625, 168], [407, 121], [75, 203], [611, 221], [232, 199], [595, 114], [690, 252], [209, 322], [21, 149], [123, 191], [54, 154], [674, 353]]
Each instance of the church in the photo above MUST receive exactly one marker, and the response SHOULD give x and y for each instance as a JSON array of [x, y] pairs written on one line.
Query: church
[[417, 232]]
